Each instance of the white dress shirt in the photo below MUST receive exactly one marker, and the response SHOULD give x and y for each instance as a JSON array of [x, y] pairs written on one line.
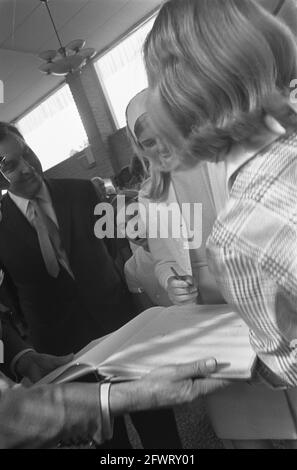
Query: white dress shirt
[[46, 205]]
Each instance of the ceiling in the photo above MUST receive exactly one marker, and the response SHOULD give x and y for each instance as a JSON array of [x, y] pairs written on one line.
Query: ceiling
[[25, 30]]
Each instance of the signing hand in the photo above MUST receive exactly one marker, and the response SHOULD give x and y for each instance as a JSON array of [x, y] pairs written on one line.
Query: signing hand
[[34, 366], [180, 292]]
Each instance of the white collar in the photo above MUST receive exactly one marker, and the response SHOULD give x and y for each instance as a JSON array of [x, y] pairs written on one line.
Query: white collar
[[19, 201], [22, 203]]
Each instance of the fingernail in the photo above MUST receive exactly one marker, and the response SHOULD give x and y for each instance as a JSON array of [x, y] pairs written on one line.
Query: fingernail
[[211, 365]]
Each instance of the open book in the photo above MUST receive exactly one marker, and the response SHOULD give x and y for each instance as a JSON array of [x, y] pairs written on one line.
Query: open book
[[165, 336]]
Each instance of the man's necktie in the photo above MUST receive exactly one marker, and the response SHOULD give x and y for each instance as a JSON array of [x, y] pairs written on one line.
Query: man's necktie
[[48, 236]]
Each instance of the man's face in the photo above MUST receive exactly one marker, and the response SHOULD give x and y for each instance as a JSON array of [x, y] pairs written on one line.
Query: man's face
[[20, 167]]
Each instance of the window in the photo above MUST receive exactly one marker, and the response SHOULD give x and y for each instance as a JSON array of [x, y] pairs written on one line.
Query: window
[[122, 73], [54, 129]]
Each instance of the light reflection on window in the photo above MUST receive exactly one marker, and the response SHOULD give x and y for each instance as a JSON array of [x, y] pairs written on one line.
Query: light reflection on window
[[54, 129], [122, 73]]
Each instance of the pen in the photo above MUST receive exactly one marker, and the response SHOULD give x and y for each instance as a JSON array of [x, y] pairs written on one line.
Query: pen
[[189, 284], [181, 278], [222, 365]]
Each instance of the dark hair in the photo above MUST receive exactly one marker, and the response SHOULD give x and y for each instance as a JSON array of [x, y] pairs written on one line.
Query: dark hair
[[6, 128]]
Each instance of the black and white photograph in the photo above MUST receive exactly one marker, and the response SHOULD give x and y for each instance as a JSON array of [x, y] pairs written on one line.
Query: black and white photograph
[[148, 227]]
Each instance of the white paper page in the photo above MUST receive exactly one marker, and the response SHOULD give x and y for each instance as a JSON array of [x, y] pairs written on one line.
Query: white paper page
[[186, 334]]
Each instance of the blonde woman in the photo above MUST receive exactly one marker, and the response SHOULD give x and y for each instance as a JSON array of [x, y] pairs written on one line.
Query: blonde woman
[[204, 186], [242, 413], [220, 75]]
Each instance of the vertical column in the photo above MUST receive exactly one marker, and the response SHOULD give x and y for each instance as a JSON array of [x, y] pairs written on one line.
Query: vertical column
[[99, 148], [97, 100]]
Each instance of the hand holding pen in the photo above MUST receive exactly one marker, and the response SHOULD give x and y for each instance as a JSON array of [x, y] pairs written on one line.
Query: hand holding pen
[[181, 289]]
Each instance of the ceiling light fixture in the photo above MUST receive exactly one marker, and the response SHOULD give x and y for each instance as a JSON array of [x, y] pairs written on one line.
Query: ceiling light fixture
[[67, 59]]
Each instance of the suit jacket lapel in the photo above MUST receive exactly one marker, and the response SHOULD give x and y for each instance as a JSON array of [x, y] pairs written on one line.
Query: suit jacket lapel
[[16, 222], [62, 209]]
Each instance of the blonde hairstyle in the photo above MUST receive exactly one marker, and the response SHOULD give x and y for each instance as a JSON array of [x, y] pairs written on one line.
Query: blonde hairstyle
[[157, 184], [218, 67]]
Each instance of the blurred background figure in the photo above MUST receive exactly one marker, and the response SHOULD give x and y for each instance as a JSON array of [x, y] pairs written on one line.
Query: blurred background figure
[[132, 176], [99, 185], [104, 188]]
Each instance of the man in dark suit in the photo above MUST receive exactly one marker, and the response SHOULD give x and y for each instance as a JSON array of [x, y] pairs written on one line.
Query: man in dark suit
[[68, 286], [73, 293]]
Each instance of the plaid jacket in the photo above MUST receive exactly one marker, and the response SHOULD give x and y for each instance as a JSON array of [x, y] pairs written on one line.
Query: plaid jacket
[[253, 255]]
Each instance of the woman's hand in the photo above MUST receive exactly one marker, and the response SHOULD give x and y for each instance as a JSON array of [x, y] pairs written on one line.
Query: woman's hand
[[182, 292]]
